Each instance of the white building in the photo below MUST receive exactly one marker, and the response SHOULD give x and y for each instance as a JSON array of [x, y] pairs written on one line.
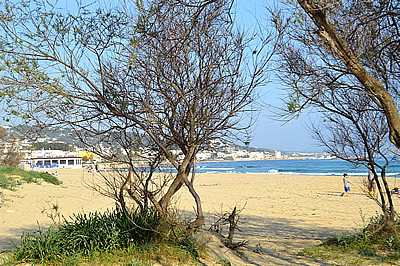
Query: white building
[[74, 162], [257, 155], [39, 159], [203, 156]]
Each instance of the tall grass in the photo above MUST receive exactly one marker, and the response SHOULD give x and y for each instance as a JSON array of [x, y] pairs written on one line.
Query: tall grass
[[87, 234], [8, 182], [110, 238], [113, 237], [376, 243], [11, 177]]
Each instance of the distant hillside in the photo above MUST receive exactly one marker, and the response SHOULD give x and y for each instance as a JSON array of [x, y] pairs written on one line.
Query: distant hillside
[[252, 149], [64, 136], [52, 134]]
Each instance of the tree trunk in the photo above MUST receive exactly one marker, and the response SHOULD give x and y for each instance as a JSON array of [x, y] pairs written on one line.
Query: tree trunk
[[381, 194], [200, 220], [388, 193], [372, 86], [178, 181]]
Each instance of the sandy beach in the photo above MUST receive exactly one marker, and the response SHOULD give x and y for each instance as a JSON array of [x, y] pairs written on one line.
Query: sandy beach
[[281, 214]]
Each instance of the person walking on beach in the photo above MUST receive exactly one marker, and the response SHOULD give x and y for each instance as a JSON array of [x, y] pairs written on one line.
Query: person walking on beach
[[371, 181], [346, 183]]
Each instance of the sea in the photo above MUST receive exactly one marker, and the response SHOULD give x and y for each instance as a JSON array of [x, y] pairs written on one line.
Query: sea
[[325, 167]]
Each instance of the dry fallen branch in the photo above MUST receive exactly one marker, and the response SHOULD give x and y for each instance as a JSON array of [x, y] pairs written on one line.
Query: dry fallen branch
[[232, 219]]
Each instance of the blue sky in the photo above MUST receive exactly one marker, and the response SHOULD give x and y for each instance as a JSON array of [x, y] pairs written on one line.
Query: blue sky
[[267, 132]]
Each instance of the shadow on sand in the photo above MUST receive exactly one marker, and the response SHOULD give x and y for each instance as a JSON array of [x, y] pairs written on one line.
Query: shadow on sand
[[7, 243], [276, 241]]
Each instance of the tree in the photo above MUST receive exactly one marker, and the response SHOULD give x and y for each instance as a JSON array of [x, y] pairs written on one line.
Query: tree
[[345, 42], [355, 130], [139, 178], [177, 73], [341, 58], [9, 149]]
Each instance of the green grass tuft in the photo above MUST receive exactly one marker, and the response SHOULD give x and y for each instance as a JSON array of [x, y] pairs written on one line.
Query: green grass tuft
[[113, 237], [7, 182], [191, 245], [223, 262], [378, 242], [11, 177]]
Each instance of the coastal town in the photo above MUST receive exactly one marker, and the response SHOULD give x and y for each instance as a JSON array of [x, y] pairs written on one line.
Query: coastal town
[[57, 149], [199, 132]]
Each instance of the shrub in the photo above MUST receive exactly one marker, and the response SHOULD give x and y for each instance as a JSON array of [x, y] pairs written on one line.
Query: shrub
[[9, 181], [378, 242], [87, 234], [40, 175], [190, 245], [37, 247]]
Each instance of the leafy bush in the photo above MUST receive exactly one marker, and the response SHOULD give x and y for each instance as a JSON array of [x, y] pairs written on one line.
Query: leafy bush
[[35, 176], [12, 170], [190, 244], [376, 236]]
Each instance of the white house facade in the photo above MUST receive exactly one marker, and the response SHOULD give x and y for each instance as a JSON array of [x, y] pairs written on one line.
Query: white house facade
[[73, 162]]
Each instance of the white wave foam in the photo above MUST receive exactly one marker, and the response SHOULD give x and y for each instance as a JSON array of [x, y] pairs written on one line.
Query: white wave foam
[[218, 169], [233, 170], [273, 171]]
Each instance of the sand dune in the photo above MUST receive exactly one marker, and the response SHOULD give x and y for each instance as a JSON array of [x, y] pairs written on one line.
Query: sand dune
[[280, 213]]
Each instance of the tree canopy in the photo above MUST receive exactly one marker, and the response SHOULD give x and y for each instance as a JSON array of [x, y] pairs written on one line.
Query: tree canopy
[[342, 44], [341, 58], [165, 73]]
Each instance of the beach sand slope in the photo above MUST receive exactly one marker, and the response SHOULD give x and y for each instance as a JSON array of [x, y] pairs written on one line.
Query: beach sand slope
[[280, 214]]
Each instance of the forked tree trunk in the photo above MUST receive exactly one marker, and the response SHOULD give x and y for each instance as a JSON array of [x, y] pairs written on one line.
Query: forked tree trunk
[[200, 220], [180, 179], [177, 182], [386, 203], [381, 194]]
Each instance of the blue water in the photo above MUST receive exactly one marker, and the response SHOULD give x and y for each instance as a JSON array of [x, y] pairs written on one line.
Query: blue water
[[332, 167]]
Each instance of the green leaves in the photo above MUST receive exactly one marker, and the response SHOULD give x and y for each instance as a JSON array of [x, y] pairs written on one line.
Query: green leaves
[[293, 102], [89, 233]]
